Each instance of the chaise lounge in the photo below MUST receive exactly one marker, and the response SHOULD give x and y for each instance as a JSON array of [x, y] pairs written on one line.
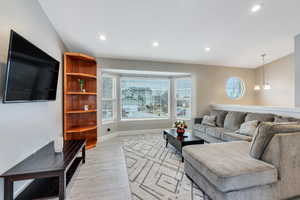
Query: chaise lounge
[[265, 169]]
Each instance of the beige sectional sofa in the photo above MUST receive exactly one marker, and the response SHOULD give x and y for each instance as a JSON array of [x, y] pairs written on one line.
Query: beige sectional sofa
[[265, 169], [228, 123]]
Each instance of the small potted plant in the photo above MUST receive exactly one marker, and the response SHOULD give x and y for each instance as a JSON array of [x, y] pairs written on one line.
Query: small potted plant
[[81, 84], [180, 125]]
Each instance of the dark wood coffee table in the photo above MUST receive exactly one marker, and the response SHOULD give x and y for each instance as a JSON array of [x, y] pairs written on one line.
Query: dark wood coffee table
[[179, 142]]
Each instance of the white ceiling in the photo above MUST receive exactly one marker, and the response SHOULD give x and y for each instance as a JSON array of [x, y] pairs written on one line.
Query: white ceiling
[[183, 28]]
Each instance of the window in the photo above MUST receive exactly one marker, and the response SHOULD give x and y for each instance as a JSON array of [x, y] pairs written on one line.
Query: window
[[108, 97], [235, 88], [183, 95], [144, 98]]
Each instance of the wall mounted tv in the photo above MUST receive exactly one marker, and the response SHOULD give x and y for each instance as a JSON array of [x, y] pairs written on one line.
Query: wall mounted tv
[[31, 74]]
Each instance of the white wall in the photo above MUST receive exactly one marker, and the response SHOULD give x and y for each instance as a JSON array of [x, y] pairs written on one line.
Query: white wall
[[209, 82], [25, 127]]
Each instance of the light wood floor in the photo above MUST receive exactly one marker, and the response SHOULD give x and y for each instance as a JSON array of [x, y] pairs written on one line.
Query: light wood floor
[[103, 176]]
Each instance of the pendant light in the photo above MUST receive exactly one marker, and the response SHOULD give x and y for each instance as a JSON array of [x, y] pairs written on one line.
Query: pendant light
[[266, 85], [257, 87]]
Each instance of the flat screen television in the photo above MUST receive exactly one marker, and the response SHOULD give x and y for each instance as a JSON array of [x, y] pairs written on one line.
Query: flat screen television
[[31, 74]]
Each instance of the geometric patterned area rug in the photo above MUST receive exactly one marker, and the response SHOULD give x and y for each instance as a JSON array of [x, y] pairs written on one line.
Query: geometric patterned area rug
[[156, 172]]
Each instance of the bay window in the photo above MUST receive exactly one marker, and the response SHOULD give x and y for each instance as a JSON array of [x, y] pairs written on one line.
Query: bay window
[[183, 98], [144, 98]]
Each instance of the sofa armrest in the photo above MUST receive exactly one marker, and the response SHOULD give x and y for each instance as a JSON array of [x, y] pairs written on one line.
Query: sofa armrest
[[198, 120]]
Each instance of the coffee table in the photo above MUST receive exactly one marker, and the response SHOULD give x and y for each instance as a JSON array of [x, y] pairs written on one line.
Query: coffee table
[[178, 142]]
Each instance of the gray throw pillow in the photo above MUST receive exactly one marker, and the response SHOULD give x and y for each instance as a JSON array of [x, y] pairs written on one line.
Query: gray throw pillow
[[233, 120], [262, 117], [220, 116], [248, 128], [265, 132], [209, 120]]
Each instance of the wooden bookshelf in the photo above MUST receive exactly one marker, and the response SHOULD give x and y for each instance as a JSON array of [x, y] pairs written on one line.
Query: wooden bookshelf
[[78, 122]]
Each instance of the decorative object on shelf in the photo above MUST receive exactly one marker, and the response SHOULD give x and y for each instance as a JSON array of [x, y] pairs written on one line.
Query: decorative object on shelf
[[81, 83], [58, 144], [181, 126], [265, 84], [86, 107]]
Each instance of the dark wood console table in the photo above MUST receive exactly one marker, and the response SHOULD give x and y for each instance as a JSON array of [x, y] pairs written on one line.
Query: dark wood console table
[[52, 171]]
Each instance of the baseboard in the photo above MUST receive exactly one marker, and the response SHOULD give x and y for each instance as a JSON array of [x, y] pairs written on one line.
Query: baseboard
[[132, 132], [109, 136]]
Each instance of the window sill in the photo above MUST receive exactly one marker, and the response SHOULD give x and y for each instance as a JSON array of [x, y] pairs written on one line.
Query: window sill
[[108, 122], [145, 119], [186, 119]]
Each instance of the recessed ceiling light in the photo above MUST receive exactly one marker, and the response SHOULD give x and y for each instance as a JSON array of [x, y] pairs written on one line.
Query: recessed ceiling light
[[102, 37], [155, 44], [256, 8], [207, 49]]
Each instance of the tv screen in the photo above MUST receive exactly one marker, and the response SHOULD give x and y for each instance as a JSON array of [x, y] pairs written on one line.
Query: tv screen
[[31, 74]]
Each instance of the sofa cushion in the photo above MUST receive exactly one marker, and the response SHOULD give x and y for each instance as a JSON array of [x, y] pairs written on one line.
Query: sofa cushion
[[220, 114], [265, 132], [207, 138], [215, 132], [209, 120], [232, 136], [262, 117], [248, 128], [228, 165], [233, 120], [280, 119], [200, 127]]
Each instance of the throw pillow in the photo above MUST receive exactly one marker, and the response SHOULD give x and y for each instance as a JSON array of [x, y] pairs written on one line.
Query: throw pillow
[[262, 117], [209, 120], [248, 128], [220, 116], [265, 132], [233, 120]]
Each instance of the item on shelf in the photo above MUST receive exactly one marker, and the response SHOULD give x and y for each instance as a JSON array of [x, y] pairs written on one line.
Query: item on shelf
[[81, 83], [86, 107], [59, 144], [181, 126]]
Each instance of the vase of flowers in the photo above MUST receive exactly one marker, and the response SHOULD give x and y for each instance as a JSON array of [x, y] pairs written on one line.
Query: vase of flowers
[[180, 125]]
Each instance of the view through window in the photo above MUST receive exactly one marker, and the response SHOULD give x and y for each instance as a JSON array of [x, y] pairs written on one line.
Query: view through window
[[108, 98], [143, 98], [183, 90]]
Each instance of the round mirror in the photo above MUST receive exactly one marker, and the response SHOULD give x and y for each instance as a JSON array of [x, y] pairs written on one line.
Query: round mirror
[[235, 88]]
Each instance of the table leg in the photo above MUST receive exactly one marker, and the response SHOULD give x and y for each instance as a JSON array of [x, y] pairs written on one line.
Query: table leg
[[8, 189], [166, 142], [62, 186], [83, 154]]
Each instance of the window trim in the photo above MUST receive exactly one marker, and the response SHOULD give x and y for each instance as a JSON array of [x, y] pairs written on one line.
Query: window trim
[[175, 99], [113, 99], [146, 78]]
